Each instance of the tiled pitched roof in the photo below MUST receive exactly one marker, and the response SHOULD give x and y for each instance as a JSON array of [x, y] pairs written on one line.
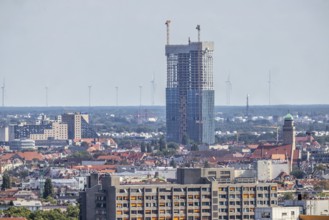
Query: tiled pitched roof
[[304, 139], [266, 152], [109, 157], [94, 167], [28, 156], [7, 156]]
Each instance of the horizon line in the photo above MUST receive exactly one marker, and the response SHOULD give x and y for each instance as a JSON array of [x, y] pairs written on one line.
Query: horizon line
[[148, 106]]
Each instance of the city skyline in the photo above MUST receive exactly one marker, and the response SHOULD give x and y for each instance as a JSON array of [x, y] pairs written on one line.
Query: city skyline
[[102, 44]]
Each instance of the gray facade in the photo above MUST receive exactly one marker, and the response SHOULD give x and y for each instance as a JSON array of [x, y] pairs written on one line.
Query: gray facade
[[78, 125], [190, 93], [192, 200]]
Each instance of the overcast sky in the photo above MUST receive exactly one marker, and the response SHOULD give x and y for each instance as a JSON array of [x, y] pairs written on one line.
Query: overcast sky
[[70, 44]]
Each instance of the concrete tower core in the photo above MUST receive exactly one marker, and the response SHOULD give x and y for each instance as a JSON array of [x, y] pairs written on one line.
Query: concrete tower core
[[190, 93]]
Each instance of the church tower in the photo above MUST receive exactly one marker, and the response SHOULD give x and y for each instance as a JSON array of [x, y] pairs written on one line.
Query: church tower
[[289, 136], [289, 131]]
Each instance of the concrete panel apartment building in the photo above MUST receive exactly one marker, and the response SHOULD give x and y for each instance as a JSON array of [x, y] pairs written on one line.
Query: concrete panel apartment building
[[210, 193]]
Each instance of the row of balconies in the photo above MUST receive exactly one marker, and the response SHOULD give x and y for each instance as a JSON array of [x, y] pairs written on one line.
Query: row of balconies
[[163, 215]]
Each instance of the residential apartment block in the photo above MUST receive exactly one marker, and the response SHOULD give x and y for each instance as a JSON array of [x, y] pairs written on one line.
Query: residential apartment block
[[78, 125], [204, 199], [58, 131], [67, 126]]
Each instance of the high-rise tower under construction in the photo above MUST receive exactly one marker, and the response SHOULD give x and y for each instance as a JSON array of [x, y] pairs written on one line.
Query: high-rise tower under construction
[[189, 92]]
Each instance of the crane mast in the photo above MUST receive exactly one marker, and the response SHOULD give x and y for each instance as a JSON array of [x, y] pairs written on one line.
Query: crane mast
[[168, 31]]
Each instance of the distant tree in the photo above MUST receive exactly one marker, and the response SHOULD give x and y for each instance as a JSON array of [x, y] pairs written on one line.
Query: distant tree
[[54, 214], [321, 185], [48, 189], [72, 211], [81, 155], [172, 145], [306, 195], [6, 183], [23, 174], [51, 200], [194, 147], [321, 194], [206, 164], [162, 144], [173, 164], [187, 164], [322, 139], [298, 174], [143, 147], [84, 144], [288, 196], [320, 167], [17, 212]]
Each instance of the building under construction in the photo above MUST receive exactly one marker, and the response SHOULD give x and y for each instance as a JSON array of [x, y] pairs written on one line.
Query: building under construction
[[189, 92]]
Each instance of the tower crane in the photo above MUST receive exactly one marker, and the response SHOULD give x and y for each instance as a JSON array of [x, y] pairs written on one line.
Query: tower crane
[[168, 27]]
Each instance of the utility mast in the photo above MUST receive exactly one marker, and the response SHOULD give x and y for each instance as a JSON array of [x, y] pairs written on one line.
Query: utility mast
[[269, 88], [199, 29], [139, 116], [153, 90], [247, 107], [117, 96], [168, 31], [46, 89], [3, 92], [228, 90], [89, 93]]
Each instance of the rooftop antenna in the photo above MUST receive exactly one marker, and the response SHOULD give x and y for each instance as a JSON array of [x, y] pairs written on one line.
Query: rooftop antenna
[[168, 29], [117, 96], [153, 89], [269, 87], [199, 29], [46, 88], [228, 90], [3, 92], [89, 93], [247, 107]]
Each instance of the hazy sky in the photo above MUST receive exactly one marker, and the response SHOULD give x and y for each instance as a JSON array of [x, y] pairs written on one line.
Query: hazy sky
[[70, 44]]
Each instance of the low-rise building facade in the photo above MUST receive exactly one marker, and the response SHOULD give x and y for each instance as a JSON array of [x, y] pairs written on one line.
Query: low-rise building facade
[[277, 213]]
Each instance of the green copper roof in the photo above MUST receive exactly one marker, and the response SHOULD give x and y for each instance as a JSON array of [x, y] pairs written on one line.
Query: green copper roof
[[288, 117]]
